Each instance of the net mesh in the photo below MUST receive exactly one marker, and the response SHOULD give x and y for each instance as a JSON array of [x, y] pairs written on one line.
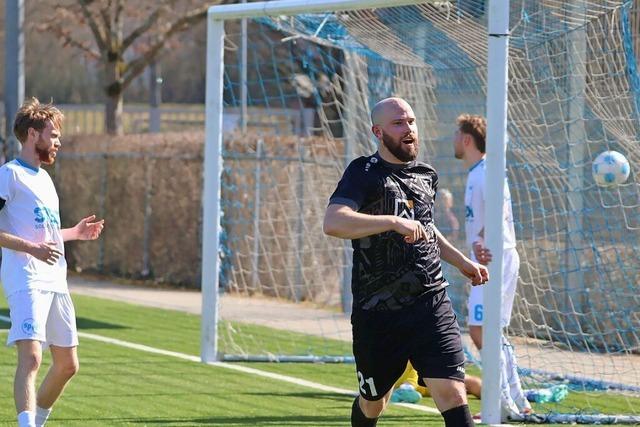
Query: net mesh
[[574, 91]]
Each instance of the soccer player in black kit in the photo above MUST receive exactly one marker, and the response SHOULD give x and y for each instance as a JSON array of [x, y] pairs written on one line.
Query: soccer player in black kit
[[401, 311]]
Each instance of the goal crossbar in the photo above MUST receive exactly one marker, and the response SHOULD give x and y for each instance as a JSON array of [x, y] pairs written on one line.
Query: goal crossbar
[[293, 7]]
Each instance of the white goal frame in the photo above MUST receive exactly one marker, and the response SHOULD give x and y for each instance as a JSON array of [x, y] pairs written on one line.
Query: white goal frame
[[497, 77]]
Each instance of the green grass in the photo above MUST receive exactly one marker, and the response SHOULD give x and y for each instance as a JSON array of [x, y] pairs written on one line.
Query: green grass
[[120, 386], [142, 325]]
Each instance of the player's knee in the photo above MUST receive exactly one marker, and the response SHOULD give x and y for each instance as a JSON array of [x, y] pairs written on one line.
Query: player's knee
[[29, 362], [449, 396], [454, 397], [373, 408], [68, 368]]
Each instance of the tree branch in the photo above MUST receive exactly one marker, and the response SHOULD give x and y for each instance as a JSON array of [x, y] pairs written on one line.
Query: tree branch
[[57, 25], [137, 66], [67, 40], [118, 14], [93, 25], [108, 25], [151, 20]]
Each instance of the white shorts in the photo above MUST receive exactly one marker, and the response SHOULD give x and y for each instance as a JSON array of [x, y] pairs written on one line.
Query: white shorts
[[48, 317], [510, 268]]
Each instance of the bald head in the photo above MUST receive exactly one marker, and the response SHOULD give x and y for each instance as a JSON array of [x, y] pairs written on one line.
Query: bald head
[[387, 108], [394, 124]]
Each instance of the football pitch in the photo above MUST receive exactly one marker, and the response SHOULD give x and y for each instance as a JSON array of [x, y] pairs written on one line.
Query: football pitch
[[139, 367]]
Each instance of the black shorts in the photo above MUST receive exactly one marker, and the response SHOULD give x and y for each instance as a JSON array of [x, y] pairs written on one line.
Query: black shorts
[[425, 333]]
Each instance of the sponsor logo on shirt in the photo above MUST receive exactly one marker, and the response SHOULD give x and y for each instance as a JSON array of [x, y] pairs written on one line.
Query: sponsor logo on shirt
[[46, 216], [468, 212], [404, 208]]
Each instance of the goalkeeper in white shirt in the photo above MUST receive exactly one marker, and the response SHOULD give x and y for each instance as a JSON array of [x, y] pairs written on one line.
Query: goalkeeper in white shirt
[[469, 144], [34, 270]]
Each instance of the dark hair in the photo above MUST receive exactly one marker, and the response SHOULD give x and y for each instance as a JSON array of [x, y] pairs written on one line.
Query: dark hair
[[476, 126], [35, 115]]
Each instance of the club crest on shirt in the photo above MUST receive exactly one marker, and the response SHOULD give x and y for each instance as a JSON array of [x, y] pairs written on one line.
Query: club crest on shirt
[[404, 208]]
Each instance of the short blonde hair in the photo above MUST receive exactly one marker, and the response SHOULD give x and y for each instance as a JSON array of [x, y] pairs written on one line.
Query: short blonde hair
[[476, 126], [35, 115]]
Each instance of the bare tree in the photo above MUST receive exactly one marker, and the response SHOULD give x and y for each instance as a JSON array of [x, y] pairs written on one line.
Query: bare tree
[[124, 36]]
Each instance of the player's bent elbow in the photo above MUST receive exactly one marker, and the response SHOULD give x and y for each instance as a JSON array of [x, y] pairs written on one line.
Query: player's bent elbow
[[331, 229], [337, 222], [331, 225]]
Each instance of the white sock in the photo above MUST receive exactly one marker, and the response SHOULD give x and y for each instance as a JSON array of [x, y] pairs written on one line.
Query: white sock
[[27, 419], [41, 416], [513, 379]]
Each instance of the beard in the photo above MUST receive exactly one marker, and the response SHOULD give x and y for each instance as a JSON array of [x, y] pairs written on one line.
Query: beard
[[46, 155], [403, 152]]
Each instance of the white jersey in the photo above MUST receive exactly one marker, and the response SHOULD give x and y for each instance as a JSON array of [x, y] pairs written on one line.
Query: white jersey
[[31, 212], [474, 197]]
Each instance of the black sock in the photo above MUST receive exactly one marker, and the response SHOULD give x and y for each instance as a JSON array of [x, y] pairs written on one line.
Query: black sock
[[358, 419], [458, 417]]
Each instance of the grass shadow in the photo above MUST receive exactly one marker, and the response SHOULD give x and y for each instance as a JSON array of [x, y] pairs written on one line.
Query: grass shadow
[[81, 322]]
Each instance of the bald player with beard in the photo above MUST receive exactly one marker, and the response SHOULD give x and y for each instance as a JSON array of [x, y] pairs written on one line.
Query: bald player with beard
[[401, 310]]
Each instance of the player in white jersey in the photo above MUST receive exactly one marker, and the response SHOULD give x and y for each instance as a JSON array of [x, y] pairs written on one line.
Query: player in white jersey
[[34, 271], [470, 147]]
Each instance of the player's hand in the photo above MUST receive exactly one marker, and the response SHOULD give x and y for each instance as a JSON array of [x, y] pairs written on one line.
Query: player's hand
[[88, 230], [410, 229], [478, 273], [482, 253], [46, 252]]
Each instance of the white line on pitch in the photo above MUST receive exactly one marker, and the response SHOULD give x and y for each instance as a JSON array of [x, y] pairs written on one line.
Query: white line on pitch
[[240, 368]]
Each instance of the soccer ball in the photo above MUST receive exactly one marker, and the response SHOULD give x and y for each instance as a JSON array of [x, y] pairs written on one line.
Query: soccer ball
[[610, 168]]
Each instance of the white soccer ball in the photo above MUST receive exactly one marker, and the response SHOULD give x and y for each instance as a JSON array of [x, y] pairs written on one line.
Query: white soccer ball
[[610, 168]]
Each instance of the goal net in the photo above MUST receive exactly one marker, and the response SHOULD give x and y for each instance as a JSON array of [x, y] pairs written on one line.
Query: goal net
[[296, 112]]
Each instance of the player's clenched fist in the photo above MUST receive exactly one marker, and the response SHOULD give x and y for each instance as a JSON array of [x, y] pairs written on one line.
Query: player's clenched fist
[[410, 229], [478, 273]]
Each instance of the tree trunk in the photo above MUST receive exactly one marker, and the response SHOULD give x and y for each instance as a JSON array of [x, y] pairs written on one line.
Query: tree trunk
[[113, 114], [114, 94]]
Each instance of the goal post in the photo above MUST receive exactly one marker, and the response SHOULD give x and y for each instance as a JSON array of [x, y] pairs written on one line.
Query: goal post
[[211, 188], [497, 101]]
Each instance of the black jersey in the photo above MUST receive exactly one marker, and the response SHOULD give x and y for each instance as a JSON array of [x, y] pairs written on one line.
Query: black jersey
[[388, 273]]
